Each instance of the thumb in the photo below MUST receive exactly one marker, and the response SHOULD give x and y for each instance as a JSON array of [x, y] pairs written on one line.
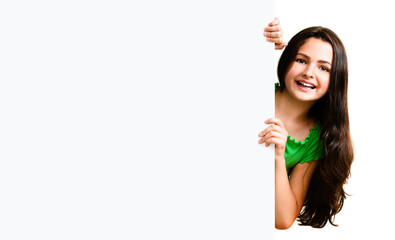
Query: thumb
[[275, 22], [279, 46]]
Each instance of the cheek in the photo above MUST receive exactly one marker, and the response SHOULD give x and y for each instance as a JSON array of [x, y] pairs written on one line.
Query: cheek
[[292, 72], [324, 84]]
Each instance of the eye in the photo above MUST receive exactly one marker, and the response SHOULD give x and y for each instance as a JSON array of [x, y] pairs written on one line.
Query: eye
[[324, 69], [300, 61]]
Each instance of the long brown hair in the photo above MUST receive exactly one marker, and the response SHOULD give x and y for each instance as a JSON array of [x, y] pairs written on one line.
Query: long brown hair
[[326, 195]]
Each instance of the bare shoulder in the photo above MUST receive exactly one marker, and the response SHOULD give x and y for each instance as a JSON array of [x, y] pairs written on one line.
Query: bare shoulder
[[300, 180]]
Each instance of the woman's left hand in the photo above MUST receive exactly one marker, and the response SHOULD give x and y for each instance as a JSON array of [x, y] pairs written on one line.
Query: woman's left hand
[[275, 134]]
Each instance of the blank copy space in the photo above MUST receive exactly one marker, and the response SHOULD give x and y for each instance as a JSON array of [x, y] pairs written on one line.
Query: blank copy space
[[136, 121]]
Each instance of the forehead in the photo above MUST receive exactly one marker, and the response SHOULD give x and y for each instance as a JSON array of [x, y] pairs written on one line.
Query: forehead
[[317, 49]]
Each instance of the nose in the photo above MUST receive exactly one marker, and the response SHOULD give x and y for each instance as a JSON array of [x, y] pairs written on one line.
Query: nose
[[308, 72]]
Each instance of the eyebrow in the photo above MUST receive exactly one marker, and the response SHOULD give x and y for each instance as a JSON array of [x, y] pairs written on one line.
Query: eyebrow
[[307, 56]]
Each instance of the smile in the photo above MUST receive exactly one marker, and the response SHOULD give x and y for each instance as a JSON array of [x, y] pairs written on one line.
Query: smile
[[303, 84]]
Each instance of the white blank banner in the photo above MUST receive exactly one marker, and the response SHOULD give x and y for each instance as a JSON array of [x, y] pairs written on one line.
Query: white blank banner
[[136, 120]]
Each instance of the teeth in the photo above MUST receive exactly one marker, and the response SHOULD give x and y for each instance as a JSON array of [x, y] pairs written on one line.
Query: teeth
[[306, 84]]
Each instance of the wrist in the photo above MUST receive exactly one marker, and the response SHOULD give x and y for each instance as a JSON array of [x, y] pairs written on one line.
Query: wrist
[[279, 158], [279, 153]]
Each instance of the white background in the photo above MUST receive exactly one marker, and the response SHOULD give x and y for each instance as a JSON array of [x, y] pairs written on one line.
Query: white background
[[135, 120], [365, 28]]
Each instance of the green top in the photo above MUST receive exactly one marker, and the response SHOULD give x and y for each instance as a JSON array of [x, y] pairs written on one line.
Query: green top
[[311, 148], [308, 150]]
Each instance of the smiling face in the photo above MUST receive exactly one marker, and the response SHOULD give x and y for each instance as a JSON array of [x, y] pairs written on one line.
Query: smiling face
[[308, 76]]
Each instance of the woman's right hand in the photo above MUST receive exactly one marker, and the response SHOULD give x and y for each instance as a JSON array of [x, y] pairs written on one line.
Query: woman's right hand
[[274, 33]]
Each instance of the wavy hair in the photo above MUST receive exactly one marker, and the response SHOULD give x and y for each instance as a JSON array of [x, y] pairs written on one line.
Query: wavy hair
[[326, 195]]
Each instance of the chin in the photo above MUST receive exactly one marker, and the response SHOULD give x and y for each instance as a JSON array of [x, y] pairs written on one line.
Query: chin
[[305, 97]]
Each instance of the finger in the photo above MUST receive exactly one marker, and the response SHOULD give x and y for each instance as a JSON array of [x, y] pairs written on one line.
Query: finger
[[272, 29], [275, 128], [269, 135], [283, 136], [265, 137], [272, 128], [273, 34], [276, 21], [279, 129], [270, 39], [276, 141], [276, 121], [274, 40], [266, 130]]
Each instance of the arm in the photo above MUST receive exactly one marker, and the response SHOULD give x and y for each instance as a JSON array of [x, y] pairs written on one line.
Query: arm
[[289, 193]]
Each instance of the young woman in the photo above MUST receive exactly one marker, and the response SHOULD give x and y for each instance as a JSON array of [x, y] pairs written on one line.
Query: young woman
[[310, 130]]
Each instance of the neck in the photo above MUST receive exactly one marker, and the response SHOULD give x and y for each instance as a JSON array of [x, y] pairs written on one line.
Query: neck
[[290, 110]]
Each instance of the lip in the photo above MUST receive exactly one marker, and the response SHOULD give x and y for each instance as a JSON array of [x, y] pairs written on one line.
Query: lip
[[305, 89], [306, 82]]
